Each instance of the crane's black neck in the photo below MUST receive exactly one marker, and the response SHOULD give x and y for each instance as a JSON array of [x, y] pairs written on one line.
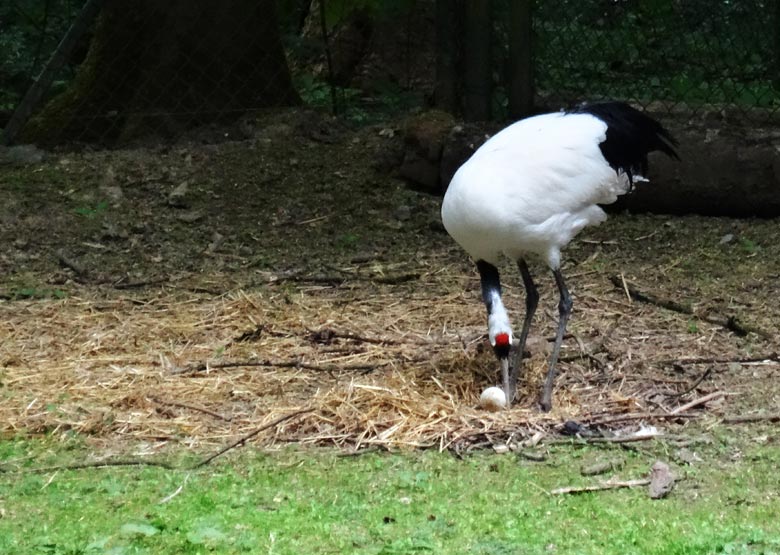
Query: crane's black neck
[[491, 283]]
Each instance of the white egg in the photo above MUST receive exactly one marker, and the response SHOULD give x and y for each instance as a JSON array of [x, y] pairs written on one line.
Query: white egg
[[493, 399]]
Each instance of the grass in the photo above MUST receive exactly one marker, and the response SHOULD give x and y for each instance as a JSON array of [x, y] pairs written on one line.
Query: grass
[[301, 501]]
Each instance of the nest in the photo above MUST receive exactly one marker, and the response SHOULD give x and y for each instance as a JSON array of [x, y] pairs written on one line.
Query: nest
[[382, 365]]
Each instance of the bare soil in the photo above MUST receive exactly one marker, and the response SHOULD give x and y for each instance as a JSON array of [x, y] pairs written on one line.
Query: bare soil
[[189, 294]]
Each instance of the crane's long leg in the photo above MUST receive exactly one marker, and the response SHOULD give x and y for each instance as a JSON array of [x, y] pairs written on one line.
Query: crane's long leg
[[564, 310], [531, 302]]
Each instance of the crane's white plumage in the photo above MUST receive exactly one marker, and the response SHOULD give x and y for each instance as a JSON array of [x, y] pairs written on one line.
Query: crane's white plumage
[[539, 183], [531, 188]]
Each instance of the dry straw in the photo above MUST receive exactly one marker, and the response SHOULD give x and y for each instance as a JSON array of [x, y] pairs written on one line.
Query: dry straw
[[381, 365]]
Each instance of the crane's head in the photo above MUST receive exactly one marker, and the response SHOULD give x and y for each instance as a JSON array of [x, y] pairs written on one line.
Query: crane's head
[[501, 341]]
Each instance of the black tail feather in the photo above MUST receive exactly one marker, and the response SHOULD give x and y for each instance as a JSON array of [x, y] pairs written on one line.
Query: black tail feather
[[631, 136]]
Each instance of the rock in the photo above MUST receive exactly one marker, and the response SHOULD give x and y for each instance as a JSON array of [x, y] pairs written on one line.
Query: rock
[[403, 213], [661, 480], [728, 238], [190, 216], [424, 137], [462, 141], [178, 197], [600, 467], [420, 171], [113, 193], [687, 456], [21, 155]]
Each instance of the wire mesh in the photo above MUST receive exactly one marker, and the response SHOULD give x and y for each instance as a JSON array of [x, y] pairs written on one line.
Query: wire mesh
[[680, 56], [165, 68]]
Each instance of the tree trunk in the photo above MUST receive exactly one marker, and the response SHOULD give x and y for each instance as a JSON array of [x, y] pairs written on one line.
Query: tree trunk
[[478, 82], [161, 67], [446, 87], [521, 62]]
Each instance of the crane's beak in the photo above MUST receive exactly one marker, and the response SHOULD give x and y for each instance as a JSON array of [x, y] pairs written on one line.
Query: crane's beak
[[504, 361]]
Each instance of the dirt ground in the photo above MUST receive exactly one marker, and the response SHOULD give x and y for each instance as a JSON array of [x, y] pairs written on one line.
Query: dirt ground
[[186, 295]]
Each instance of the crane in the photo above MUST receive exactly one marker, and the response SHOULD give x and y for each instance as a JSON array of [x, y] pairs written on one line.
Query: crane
[[529, 190]]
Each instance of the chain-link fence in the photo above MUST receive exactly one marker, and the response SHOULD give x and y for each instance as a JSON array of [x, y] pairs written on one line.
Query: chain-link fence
[[680, 55], [148, 68]]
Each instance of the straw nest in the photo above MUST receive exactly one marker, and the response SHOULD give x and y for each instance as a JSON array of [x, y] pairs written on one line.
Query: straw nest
[[378, 364]]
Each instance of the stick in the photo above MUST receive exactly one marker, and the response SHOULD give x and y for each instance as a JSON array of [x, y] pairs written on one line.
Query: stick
[[68, 262], [598, 348], [335, 280], [634, 293], [595, 421], [175, 493], [748, 418], [138, 284], [627, 439], [278, 364], [697, 402], [191, 407], [103, 464], [249, 436], [603, 486], [693, 386], [730, 322], [592, 440], [773, 357], [326, 334]]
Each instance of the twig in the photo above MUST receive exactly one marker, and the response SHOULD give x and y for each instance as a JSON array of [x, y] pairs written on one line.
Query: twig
[[697, 402], [603, 486], [729, 322], [693, 386], [621, 439], [103, 464], [191, 407], [394, 279], [634, 293], [641, 416], [748, 418], [598, 348], [326, 334], [68, 262], [278, 364], [138, 284], [249, 436], [625, 288], [773, 357], [175, 493], [592, 440]]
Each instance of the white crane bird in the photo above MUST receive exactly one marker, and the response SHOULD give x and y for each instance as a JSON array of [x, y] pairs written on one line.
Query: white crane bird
[[529, 190]]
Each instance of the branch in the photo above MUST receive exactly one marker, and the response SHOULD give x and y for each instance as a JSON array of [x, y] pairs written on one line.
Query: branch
[[603, 486], [592, 440], [325, 335], [191, 407], [697, 402], [68, 262], [138, 284], [693, 386], [104, 464], [393, 279], [730, 322], [249, 436], [774, 357], [748, 418], [595, 421], [277, 364]]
